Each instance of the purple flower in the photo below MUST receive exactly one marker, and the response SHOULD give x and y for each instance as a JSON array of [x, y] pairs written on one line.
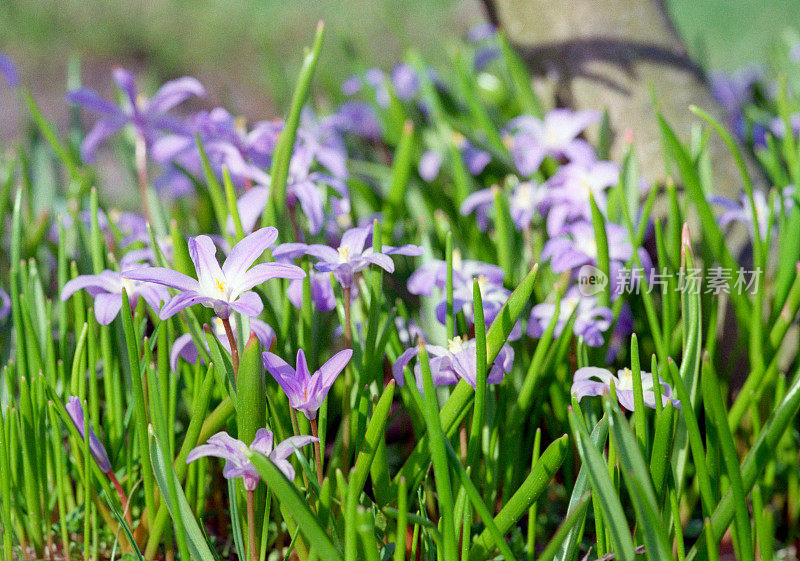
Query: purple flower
[[226, 144], [237, 454], [5, 304], [474, 158], [322, 140], [778, 126], [147, 116], [566, 196], [456, 362], [357, 118], [96, 447], [184, 346], [223, 288], [742, 211], [306, 392], [322, 294], [106, 289], [433, 274], [577, 247], [523, 204], [351, 257], [493, 297], [591, 320], [530, 139], [590, 380], [9, 71], [405, 81]]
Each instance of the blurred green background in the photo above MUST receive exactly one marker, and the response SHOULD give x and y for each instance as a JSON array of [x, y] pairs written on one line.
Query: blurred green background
[[247, 51]]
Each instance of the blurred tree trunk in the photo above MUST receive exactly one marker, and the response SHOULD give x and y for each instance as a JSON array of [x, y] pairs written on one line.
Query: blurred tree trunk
[[614, 55]]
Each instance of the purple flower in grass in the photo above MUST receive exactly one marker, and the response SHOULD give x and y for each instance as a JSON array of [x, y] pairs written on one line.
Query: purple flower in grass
[[322, 294], [405, 81], [591, 320], [106, 289], [148, 116], [5, 304], [566, 193], [352, 257], [590, 381], [473, 157], [456, 362], [226, 288], [523, 202], [306, 391], [9, 71], [75, 410], [433, 274], [742, 211], [493, 297], [237, 454], [578, 247], [184, 346], [530, 139]]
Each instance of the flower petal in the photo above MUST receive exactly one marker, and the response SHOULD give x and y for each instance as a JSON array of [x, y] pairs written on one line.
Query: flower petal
[[163, 276], [247, 251]]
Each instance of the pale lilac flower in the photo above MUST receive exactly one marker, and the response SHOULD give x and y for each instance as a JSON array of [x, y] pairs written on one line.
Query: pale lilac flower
[[9, 71], [184, 346], [322, 294], [433, 274], [321, 138], [742, 211], [237, 454], [590, 381], [591, 320], [106, 289], [778, 126], [405, 81], [456, 362], [357, 118], [473, 157], [523, 204], [226, 288], [352, 257], [5, 304], [566, 193], [493, 296], [148, 116], [578, 247], [530, 139], [98, 451], [306, 391]]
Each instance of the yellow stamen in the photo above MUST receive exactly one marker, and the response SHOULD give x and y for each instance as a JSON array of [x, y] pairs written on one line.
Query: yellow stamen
[[344, 254]]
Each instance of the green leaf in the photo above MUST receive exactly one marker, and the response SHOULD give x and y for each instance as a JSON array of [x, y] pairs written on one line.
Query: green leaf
[[531, 489], [296, 505], [614, 516], [637, 479], [178, 507]]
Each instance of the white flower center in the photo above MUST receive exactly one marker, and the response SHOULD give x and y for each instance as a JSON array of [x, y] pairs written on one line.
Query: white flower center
[[344, 254], [454, 345], [129, 285], [625, 377]]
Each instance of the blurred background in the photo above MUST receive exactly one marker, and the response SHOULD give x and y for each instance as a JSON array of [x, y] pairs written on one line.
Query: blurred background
[[247, 52]]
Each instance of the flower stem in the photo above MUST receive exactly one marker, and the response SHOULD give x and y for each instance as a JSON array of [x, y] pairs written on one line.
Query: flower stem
[[348, 381], [141, 175], [251, 524], [123, 498], [226, 322], [317, 449]]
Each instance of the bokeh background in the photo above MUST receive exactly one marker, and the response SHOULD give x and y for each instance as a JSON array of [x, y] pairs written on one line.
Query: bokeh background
[[246, 52]]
